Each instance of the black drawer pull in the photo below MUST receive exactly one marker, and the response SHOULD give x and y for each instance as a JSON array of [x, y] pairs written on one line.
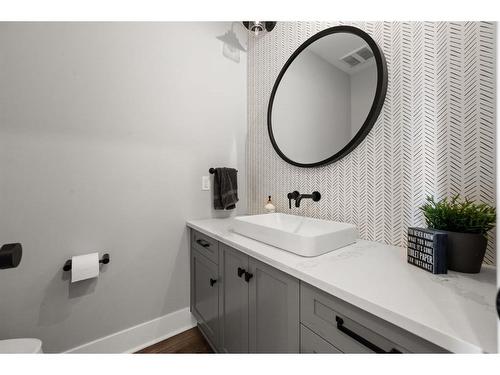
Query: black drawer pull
[[361, 340], [248, 276], [212, 281], [203, 243], [241, 271]]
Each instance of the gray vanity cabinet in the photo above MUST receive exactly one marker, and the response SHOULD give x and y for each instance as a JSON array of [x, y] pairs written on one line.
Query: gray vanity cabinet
[[233, 301], [243, 305], [274, 310], [205, 295]]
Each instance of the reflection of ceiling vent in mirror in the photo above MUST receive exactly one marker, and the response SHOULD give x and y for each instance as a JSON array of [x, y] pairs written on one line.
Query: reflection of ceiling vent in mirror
[[351, 60], [365, 53], [358, 57]]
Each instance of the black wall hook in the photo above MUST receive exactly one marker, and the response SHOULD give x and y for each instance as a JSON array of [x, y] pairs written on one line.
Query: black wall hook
[[105, 260]]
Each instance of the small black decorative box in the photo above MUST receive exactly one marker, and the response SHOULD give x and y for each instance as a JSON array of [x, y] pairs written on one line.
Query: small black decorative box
[[427, 249]]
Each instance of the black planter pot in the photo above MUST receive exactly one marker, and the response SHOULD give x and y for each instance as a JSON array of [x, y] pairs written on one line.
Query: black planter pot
[[465, 251]]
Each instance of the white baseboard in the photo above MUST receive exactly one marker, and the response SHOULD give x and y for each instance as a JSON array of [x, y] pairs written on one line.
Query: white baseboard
[[140, 336]]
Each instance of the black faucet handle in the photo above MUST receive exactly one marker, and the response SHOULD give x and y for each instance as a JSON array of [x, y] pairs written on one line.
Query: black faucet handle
[[316, 196], [293, 195]]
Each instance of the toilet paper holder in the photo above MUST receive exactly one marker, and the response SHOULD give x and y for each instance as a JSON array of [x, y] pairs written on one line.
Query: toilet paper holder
[[105, 260]]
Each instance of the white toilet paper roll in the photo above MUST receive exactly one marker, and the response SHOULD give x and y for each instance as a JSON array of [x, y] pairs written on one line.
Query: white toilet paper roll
[[84, 267]]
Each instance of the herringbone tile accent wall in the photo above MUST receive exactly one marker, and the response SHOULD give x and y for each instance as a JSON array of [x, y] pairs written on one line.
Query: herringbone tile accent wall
[[435, 134]]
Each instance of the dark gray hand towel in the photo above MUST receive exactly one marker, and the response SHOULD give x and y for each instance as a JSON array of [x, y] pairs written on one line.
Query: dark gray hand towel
[[225, 188]]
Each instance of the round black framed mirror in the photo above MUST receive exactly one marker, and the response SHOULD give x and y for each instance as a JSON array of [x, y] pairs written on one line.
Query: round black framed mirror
[[327, 97]]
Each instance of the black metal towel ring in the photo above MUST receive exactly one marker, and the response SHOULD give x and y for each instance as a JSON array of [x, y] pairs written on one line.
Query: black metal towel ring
[[105, 260]]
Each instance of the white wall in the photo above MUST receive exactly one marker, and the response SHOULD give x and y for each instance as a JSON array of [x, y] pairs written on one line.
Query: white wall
[[105, 132], [311, 122]]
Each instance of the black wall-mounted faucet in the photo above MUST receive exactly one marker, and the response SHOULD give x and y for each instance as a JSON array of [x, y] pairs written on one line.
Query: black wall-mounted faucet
[[295, 195]]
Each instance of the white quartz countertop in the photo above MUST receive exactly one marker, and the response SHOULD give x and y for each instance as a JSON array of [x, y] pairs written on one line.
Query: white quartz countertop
[[455, 311]]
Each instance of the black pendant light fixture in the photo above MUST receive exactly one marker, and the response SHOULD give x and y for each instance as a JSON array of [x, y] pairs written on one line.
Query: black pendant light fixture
[[259, 27]]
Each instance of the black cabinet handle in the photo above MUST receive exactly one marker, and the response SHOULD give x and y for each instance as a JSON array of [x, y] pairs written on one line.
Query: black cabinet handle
[[361, 340], [212, 281], [248, 276], [241, 271], [203, 243]]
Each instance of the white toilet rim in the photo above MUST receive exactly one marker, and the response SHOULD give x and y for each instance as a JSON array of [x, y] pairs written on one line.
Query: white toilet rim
[[24, 345]]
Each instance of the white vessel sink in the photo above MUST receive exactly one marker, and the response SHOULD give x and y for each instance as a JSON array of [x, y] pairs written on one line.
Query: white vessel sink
[[304, 236]]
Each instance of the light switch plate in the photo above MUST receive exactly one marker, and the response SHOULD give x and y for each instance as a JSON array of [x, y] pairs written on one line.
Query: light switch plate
[[205, 182]]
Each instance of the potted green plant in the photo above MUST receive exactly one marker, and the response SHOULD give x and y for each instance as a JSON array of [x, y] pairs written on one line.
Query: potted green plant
[[466, 224]]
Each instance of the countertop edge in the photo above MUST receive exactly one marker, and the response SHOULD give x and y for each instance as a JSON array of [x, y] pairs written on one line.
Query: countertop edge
[[430, 334]]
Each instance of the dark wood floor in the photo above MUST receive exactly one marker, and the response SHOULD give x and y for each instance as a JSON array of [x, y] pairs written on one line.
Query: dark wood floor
[[190, 341]]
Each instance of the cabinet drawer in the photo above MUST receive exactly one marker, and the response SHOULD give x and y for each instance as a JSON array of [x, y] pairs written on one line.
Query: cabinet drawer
[[205, 245], [353, 330], [312, 343]]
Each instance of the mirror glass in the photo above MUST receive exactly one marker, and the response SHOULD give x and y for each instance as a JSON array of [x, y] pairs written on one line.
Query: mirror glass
[[322, 100]]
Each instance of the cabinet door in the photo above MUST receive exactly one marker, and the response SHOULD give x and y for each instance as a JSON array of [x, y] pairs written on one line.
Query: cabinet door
[[234, 301], [274, 310], [205, 295]]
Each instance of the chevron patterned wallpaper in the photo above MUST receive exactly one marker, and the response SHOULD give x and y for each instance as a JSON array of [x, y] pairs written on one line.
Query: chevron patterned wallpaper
[[435, 135]]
